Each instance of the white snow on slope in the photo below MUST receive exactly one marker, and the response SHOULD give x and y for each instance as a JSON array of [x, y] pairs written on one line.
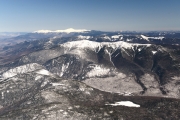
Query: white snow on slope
[[69, 30], [144, 37], [106, 37], [84, 37], [116, 36], [43, 72], [64, 68], [57, 84], [2, 95], [21, 69], [159, 38], [82, 44], [147, 38], [98, 71], [154, 52], [125, 103]]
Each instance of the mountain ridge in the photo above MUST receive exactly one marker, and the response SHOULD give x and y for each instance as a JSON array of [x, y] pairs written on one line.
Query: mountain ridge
[[86, 60]]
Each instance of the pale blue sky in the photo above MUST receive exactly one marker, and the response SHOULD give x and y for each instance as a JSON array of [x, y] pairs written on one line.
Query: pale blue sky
[[107, 15]]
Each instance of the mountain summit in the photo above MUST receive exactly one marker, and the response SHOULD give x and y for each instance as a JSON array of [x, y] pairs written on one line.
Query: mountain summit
[[69, 30]]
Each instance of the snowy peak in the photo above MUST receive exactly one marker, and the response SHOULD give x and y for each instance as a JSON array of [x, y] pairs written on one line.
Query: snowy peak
[[69, 30]]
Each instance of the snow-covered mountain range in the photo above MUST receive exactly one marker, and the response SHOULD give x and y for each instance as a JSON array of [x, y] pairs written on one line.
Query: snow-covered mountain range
[[69, 30], [61, 73], [99, 36]]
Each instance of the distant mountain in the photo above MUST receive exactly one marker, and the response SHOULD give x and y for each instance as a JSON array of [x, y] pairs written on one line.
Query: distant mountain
[[4, 35], [99, 36], [70, 30]]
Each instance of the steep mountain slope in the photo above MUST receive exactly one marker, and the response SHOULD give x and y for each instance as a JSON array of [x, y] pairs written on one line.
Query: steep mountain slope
[[139, 69]]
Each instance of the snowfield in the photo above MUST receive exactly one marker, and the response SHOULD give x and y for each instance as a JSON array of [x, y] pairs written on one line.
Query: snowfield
[[98, 71], [44, 72], [125, 103]]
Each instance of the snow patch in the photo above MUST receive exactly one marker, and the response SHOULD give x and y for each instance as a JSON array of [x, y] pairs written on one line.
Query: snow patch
[[57, 84], [158, 38], [125, 103], [98, 71], [139, 49], [81, 89], [111, 112], [84, 37], [2, 95], [44, 83], [154, 52], [129, 40], [127, 94], [106, 37], [43, 72], [147, 38], [110, 57], [144, 37], [38, 77], [116, 36], [63, 69], [65, 113]]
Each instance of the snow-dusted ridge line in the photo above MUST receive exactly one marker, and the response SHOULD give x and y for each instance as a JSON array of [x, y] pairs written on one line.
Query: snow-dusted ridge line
[[91, 44], [147, 38], [69, 30]]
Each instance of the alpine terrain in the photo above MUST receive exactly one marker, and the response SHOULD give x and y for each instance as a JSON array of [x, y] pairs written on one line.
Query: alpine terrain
[[90, 75]]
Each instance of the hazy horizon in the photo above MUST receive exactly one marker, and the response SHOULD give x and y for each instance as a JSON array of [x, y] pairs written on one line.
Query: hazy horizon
[[101, 30]]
